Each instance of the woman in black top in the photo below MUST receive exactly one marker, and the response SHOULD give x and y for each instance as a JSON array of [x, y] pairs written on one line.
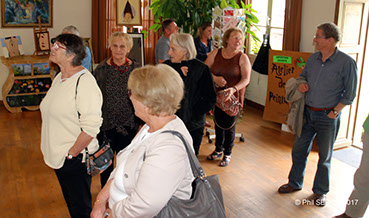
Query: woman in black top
[[119, 122], [200, 96]]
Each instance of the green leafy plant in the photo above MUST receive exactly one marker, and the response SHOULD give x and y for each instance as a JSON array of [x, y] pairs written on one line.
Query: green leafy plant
[[191, 14]]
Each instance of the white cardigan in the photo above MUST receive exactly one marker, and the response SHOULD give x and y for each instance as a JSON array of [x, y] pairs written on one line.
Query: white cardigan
[[60, 123], [155, 169]]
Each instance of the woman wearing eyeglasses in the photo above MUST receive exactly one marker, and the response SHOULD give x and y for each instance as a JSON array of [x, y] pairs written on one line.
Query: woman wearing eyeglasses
[[71, 119], [119, 122]]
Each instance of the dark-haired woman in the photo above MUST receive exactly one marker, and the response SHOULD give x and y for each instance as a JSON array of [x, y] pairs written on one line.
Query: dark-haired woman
[[71, 118]]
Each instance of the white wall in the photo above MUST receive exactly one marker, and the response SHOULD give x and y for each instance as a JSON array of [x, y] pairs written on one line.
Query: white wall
[[314, 12], [65, 12]]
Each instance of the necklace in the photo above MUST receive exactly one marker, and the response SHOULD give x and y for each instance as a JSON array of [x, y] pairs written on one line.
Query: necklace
[[231, 55], [122, 68]]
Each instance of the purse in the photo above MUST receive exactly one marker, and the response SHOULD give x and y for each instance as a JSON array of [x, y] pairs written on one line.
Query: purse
[[232, 106], [206, 200], [103, 157], [100, 160]]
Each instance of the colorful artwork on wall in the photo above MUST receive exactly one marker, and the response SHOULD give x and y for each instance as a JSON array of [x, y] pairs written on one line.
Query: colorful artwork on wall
[[26, 13], [21, 69], [41, 68]]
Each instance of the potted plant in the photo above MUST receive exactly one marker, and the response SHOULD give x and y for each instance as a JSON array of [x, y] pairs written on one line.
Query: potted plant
[[191, 14]]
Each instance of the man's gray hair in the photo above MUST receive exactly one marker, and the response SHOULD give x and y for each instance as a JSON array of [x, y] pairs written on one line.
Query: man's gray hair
[[330, 30], [71, 29]]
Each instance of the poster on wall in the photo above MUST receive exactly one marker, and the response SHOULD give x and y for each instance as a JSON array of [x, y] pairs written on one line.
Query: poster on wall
[[26, 13], [223, 19], [128, 12], [283, 65]]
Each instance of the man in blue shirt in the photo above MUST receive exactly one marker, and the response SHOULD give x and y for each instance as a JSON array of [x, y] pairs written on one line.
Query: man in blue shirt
[[331, 77], [87, 61], [169, 27]]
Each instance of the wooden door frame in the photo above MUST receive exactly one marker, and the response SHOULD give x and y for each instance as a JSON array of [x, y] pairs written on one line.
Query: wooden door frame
[[352, 124]]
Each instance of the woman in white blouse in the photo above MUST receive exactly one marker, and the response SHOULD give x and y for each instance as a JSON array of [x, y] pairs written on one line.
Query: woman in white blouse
[[64, 133], [155, 166]]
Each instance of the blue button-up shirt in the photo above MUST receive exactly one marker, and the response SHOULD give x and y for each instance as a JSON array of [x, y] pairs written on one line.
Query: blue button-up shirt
[[330, 82]]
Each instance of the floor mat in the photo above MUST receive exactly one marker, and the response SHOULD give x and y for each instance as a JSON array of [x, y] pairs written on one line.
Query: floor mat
[[350, 156]]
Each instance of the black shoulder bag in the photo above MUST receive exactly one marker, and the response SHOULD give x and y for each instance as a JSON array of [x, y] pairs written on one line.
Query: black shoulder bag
[[206, 200], [102, 158]]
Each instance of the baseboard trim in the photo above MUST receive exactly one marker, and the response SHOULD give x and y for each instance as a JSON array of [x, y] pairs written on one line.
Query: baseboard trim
[[254, 105]]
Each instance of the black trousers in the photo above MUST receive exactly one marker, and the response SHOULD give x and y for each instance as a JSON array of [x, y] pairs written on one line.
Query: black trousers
[[197, 135], [224, 132], [76, 187], [118, 142]]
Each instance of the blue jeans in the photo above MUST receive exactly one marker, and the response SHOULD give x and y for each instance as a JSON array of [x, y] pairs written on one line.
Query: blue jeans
[[317, 124]]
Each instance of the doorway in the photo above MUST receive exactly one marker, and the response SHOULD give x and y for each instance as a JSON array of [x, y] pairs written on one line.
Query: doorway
[[352, 18]]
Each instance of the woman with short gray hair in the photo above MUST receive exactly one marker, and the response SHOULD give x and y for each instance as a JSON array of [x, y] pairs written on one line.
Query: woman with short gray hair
[[200, 96], [119, 122]]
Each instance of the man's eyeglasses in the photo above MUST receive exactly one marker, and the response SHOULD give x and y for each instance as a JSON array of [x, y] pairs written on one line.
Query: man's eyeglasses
[[319, 37]]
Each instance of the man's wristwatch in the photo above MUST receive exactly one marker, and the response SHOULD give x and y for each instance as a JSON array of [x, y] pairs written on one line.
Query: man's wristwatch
[[335, 112], [69, 156]]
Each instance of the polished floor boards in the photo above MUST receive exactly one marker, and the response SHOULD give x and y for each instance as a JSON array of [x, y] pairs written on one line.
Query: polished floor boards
[[258, 167]]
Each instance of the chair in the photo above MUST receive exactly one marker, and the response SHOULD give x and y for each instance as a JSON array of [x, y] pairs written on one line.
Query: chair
[[210, 133]]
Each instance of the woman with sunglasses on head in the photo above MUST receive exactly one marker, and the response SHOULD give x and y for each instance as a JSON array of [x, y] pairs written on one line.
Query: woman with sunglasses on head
[[231, 70], [119, 122], [71, 119]]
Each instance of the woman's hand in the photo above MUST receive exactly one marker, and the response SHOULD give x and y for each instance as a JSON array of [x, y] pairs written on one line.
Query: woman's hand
[[108, 213], [99, 210], [229, 91], [184, 70], [219, 81]]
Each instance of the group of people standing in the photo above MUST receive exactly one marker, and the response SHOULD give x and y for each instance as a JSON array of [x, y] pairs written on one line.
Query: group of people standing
[[133, 109], [205, 72]]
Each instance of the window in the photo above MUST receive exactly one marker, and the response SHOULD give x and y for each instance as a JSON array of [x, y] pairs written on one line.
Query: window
[[271, 21]]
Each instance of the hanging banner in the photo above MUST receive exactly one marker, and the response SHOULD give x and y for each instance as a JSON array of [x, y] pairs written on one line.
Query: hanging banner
[[283, 65]]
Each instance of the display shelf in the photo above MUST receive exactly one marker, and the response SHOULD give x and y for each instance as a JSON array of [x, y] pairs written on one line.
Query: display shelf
[[29, 79]]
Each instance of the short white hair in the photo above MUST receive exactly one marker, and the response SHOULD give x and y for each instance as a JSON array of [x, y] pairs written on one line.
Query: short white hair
[[185, 42]]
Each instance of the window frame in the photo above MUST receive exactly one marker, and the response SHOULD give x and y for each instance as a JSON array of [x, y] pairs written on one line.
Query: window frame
[[268, 28]]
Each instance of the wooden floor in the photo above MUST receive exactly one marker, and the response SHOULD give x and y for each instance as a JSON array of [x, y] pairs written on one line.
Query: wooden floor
[[258, 167]]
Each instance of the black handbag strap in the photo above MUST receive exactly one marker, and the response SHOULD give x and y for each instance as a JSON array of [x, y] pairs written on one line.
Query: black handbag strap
[[197, 170], [79, 115]]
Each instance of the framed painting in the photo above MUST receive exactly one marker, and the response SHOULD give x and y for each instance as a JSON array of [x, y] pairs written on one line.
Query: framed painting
[[42, 41], [137, 53], [41, 69], [129, 12], [26, 13], [21, 69]]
